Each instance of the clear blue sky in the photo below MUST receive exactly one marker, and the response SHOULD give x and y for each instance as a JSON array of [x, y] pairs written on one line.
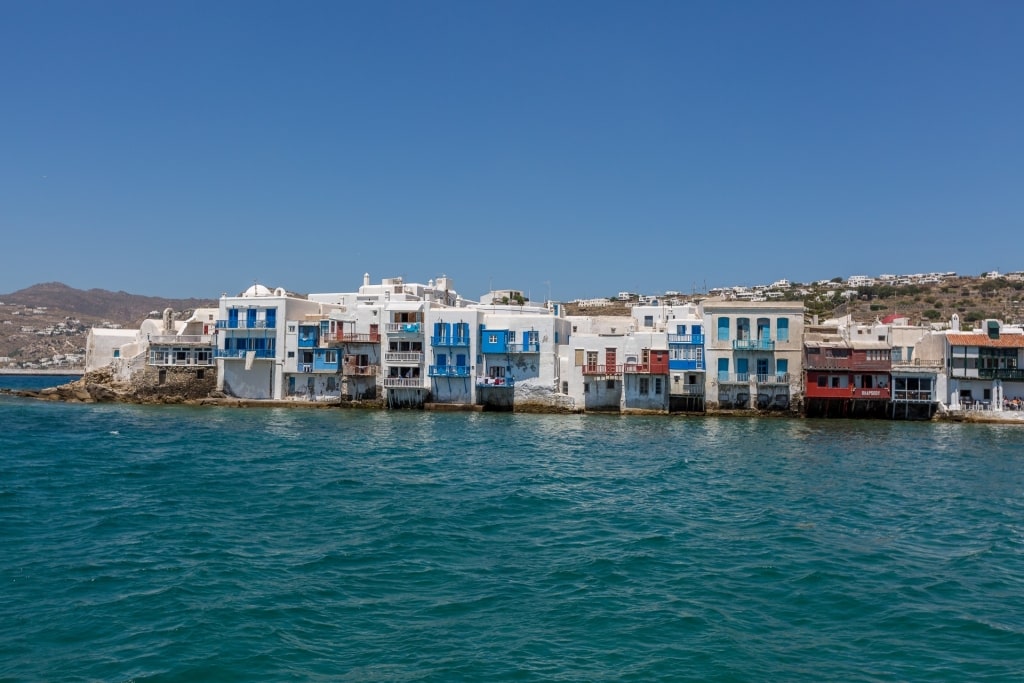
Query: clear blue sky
[[190, 148]]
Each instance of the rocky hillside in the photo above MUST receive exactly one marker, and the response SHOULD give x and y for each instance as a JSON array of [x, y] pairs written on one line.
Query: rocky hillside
[[52, 319]]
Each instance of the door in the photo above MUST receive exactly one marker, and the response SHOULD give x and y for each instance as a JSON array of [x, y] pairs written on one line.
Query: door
[[762, 367], [609, 360]]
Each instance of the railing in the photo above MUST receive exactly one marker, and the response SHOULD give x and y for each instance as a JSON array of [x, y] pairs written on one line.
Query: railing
[[358, 370], [170, 360], [812, 363], [602, 369], [244, 325], [403, 382], [449, 341], [403, 357], [405, 328], [448, 371], [242, 353], [753, 345], [1000, 373], [689, 390], [780, 378], [524, 347], [645, 369], [734, 378], [306, 367], [498, 382], [357, 337], [180, 339], [906, 395], [917, 363], [686, 339]]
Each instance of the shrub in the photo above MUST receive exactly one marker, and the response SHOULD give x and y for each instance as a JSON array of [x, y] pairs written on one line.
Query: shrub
[[931, 314]]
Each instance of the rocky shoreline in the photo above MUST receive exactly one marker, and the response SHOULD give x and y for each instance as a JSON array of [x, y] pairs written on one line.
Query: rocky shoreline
[[99, 386]]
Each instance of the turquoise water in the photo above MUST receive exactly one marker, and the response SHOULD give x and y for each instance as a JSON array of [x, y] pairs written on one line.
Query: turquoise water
[[183, 544]]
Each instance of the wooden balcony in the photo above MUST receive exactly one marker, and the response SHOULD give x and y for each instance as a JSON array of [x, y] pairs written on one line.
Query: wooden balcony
[[356, 338], [605, 370], [645, 368]]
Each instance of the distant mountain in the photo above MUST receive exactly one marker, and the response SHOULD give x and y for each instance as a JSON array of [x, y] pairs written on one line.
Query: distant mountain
[[118, 307]]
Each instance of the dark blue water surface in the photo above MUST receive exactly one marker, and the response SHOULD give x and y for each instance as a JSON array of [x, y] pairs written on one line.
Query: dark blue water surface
[[218, 544]]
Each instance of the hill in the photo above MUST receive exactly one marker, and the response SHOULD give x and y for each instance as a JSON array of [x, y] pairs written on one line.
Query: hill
[[51, 319]]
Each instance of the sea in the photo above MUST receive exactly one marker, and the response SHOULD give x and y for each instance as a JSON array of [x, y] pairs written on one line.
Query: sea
[[174, 543]]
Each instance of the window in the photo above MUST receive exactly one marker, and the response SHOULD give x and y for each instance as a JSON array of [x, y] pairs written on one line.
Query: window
[[645, 385], [331, 357], [648, 321], [610, 384], [781, 366], [291, 328], [586, 387], [492, 339], [117, 353], [657, 386], [511, 336], [782, 329], [822, 381], [291, 354], [161, 377], [565, 387], [723, 329], [742, 328], [579, 357], [332, 384]]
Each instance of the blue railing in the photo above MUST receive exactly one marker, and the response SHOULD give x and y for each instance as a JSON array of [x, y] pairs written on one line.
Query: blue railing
[[449, 341], [686, 339], [241, 353], [448, 371], [245, 325], [753, 345]]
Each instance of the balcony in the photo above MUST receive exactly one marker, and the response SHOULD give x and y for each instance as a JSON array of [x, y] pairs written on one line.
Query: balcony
[[402, 328], [403, 382], [245, 325], [403, 357], [782, 378], [912, 396], [645, 368], [448, 371], [182, 339], [1001, 373], [357, 337], [688, 390], [496, 382], [606, 370], [242, 353], [523, 347], [358, 370], [449, 341], [815, 361], [686, 339], [734, 378], [172, 360], [753, 345]]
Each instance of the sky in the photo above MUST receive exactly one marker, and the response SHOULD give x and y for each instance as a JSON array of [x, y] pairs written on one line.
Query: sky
[[567, 149]]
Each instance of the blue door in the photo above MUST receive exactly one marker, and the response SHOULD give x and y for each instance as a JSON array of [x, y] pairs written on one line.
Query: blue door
[[233, 318], [250, 318], [271, 318], [742, 366]]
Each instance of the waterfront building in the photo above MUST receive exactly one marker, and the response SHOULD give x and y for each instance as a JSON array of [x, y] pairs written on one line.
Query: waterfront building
[[684, 330], [257, 341], [753, 350], [611, 365], [984, 366], [518, 361]]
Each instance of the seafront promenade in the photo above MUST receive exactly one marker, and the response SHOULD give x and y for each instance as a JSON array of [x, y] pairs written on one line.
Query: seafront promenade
[[60, 372]]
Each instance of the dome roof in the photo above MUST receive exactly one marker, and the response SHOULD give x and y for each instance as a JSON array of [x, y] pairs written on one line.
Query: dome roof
[[257, 290]]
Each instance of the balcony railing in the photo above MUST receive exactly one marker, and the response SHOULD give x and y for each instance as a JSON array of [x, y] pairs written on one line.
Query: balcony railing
[[245, 325], [181, 339], [172, 362], [448, 371], [908, 396], [645, 368], [781, 378], [753, 345], [449, 341], [917, 364], [1000, 373], [403, 357], [602, 369], [498, 382], [358, 370], [402, 328], [242, 353], [357, 337], [686, 339], [403, 382], [734, 378], [524, 347], [689, 390]]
